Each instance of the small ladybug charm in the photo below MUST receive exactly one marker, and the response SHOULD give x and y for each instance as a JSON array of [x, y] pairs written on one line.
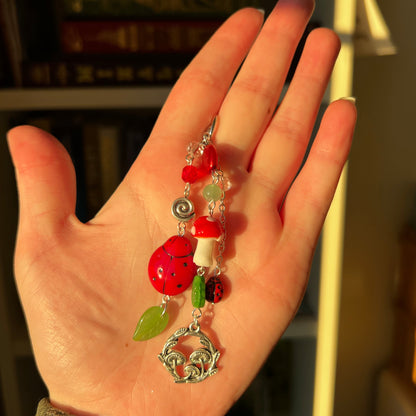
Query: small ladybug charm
[[214, 290], [171, 267]]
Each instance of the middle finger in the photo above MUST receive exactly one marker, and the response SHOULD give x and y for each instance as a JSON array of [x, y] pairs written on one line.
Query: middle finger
[[251, 101]]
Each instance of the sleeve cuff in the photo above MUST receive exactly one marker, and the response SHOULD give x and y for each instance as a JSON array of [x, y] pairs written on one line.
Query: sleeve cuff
[[46, 409]]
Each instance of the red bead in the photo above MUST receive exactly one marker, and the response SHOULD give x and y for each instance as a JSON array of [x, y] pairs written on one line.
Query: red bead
[[209, 159], [171, 268], [190, 174], [214, 290], [203, 165]]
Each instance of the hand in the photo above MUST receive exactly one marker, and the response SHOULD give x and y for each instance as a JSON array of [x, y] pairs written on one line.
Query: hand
[[84, 286]]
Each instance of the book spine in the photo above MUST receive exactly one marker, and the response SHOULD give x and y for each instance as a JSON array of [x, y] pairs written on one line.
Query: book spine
[[10, 44], [145, 8], [126, 37], [69, 131], [102, 73], [109, 138], [92, 169]]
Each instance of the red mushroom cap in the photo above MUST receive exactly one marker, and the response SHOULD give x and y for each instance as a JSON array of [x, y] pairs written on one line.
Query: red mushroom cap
[[206, 227]]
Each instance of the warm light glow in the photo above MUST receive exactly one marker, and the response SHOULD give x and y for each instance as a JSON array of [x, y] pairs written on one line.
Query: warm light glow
[[329, 300], [344, 16], [333, 233], [414, 363], [341, 81]]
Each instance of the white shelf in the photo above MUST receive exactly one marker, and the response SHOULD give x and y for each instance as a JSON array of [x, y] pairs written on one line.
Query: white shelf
[[32, 99], [82, 98]]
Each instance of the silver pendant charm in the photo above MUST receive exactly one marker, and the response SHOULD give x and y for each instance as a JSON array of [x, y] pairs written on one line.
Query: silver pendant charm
[[203, 361]]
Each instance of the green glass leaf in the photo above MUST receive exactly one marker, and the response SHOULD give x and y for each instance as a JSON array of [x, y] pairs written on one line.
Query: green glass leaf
[[198, 292], [152, 323]]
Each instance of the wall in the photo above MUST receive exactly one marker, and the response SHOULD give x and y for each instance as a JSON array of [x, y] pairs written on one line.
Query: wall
[[381, 194]]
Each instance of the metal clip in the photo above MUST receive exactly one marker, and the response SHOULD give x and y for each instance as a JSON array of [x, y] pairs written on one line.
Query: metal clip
[[206, 140], [211, 128]]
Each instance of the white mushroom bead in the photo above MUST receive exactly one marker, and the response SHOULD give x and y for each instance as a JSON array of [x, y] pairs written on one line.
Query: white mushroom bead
[[207, 230]]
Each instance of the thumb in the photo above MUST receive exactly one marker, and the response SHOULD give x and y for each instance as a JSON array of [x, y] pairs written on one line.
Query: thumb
[[45, 178]]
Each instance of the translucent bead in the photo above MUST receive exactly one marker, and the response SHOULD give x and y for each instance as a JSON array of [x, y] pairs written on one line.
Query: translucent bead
[[227, 184], [189, 174], [152, 323], [198, 292], [212, 192], [209, 159], [194, 149]]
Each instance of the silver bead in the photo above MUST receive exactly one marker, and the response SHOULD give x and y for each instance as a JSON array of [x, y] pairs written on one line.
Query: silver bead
[[183, 209]]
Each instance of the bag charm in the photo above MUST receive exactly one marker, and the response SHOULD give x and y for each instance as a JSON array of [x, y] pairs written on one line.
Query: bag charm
[[174, 266]]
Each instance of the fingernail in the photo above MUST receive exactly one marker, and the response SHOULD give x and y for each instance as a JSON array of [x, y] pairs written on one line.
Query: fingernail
[[350, 99], [261, 11]]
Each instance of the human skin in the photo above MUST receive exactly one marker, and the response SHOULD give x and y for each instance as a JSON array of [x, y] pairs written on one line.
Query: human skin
[[84, 286]]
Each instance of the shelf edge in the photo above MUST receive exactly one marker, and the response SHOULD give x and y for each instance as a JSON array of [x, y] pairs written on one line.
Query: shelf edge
[[82, 98]]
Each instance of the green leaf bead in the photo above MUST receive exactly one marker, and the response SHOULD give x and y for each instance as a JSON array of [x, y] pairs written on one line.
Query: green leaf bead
[[212, 192], [198, 292], [152, 323]]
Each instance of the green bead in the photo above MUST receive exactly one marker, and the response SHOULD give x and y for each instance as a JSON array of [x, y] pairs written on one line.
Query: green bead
[[212, 192], [152, 323], [198, 292]]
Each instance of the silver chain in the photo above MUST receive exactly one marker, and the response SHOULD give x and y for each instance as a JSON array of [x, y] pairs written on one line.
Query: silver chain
[[195, 326], [187, 190], [165, 301], [192, 150], [181, 228], [218, 178]]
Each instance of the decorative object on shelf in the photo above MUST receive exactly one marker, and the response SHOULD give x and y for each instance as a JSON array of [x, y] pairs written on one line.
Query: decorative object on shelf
[[372, 36], [174, 266]]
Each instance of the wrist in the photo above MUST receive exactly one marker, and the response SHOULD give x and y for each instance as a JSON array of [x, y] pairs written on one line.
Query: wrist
[[48, 407]]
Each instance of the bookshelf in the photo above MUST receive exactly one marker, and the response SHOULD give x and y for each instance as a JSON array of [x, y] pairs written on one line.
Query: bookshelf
[[310, 341], [82, 98]]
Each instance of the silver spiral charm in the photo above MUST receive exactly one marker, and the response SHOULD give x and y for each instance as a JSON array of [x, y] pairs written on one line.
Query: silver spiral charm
[[183, 209]]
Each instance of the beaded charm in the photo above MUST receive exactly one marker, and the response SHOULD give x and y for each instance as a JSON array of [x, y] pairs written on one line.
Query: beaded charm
[[174, 266], [171, 267]]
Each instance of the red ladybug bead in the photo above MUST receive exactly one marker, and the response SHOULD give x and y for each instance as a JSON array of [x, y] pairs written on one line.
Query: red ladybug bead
[[214, 290], [171, 267]]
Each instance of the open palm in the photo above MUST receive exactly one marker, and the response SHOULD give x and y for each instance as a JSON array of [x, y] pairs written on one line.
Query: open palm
[[84, 286]]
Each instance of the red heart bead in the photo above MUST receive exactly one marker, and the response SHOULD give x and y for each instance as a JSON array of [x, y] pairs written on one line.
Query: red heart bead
[[209, 159]]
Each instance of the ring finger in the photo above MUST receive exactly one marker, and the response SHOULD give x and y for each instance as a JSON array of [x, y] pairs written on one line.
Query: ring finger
[[288, 134]]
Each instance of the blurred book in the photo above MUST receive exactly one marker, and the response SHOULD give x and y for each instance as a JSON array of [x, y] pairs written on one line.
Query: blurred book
[[102, 149], [152, 9], [132, 37], [11, 52], [105, 71]]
